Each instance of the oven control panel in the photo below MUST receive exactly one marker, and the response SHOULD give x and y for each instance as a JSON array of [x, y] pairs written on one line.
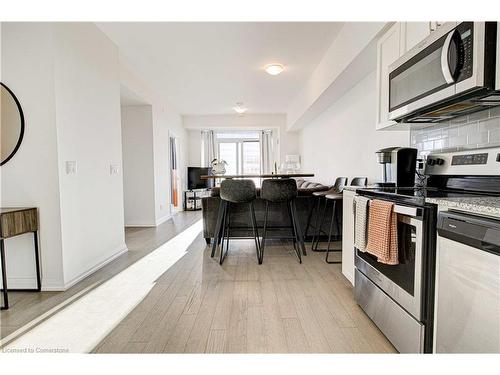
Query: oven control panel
[[483, 162], [470, 159]]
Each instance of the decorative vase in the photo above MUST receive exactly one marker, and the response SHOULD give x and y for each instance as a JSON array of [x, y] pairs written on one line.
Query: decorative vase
[[218, 167]]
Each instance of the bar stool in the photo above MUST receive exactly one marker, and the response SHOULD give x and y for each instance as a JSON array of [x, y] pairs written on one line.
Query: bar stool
[[234, 191], [282, 191], [357, 181], [337, 188]]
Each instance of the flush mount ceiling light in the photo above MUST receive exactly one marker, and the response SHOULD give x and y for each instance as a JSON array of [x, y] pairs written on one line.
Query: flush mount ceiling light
[[274, 69], [240, 108]]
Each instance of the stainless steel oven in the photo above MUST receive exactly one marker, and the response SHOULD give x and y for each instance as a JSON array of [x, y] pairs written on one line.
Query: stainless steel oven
[[394, 296], [449, 74]]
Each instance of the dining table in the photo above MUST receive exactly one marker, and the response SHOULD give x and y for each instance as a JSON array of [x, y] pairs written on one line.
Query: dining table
[[258, 175]]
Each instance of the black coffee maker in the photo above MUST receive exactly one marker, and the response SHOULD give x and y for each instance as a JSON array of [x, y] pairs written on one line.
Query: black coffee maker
[[399, 165]]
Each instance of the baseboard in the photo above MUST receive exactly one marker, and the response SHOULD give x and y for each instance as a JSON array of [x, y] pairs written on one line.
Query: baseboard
[[52, 286], [123, 249], [141, 225], [21, 283], [163, 219]]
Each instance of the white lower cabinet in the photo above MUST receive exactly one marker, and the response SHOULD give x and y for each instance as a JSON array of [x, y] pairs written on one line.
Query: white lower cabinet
[[348, 235]]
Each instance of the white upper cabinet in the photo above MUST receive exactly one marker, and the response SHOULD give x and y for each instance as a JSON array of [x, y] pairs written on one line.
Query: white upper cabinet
[[415, 32], [389, 47], [398, 39]]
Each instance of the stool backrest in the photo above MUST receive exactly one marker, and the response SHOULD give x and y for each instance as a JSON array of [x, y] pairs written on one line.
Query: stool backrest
[[339, 184], [237, 191], [359, 181], [278, 190]]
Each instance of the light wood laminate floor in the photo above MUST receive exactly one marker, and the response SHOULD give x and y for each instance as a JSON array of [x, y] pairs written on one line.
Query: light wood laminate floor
[[198, 306]]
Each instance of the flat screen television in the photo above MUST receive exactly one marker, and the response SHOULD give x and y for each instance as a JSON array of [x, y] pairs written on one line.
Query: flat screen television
[[194, 178]]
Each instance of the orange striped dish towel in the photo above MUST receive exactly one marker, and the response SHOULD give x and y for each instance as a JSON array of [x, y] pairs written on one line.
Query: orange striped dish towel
[[383, 232]]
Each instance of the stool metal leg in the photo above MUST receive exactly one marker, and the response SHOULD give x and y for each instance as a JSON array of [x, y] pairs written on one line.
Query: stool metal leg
[[298, 229], [309, 217], [315, 244], [4, 276], [294, 228], [218, 226], [255, 232], [263, 243], [334, 218], [318, 209], [225, 233]]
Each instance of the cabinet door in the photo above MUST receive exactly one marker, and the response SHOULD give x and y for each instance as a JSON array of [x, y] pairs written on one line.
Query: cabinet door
[[348, 235], [389, 49], [415, 32]]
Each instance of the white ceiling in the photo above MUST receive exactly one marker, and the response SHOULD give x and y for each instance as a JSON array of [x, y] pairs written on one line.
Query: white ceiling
[[205, 68]]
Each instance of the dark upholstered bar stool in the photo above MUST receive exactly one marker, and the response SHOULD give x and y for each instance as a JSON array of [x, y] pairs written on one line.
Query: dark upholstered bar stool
[[357, 181], [283, 191], [337, 188], [234, 191]]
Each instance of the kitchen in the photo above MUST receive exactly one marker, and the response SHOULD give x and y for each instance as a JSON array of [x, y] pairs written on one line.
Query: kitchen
[[444, 297], [405, 261]]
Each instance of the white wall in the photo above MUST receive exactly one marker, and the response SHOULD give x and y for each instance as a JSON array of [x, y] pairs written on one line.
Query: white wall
[[342, 140], [138, 165], [194, 147], [66, 77], [31, 177], [345, 62], [166, 122], [87, 87], [287, 142]]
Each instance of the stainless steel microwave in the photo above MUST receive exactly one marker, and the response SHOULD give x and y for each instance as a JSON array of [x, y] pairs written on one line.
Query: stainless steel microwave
[[450, 73]]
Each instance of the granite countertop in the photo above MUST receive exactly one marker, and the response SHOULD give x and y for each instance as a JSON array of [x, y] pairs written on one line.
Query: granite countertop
[[478, 205]]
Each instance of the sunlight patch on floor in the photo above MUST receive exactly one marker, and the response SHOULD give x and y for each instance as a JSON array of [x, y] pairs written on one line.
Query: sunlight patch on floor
[[79, 327]]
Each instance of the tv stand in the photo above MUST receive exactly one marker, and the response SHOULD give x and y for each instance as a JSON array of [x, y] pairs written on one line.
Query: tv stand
[[192, 199]]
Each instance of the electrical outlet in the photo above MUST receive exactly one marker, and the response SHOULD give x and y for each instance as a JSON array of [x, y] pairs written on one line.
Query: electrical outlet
[[114, 169], [71, 167]]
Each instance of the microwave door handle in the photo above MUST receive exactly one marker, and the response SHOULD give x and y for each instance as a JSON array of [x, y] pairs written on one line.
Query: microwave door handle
[[445, 66]]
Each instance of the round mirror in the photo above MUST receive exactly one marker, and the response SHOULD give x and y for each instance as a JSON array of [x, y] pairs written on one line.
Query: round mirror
[[11, 124]]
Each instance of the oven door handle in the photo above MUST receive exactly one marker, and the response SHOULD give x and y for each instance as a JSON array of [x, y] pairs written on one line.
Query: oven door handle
[[408, 211], [403, 210]]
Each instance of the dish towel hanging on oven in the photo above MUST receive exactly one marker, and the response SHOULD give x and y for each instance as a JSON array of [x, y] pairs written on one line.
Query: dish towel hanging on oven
[[360, 222], [383, 232]]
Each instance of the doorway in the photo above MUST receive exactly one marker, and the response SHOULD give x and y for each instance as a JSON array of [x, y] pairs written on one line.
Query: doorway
[[175, 192]]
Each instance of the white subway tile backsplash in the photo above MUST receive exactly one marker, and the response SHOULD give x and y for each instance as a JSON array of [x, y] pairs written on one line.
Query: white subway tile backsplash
[[428, 146], [495, 111], [441, 144], [481, 115], [494, 136], [477, 137], [478, 130], [459, 141], [489, 124], [467, 129], [450, 132]]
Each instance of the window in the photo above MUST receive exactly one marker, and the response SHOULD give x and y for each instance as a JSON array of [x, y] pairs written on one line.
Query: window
[[251, 157], [240, 150]]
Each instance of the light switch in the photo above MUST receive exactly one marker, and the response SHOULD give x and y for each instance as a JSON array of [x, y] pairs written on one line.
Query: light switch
[[114, 169], [71, 167]]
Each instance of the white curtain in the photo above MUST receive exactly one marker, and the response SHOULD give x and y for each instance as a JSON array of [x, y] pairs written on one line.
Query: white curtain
[[208, 147], [266, 151]]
